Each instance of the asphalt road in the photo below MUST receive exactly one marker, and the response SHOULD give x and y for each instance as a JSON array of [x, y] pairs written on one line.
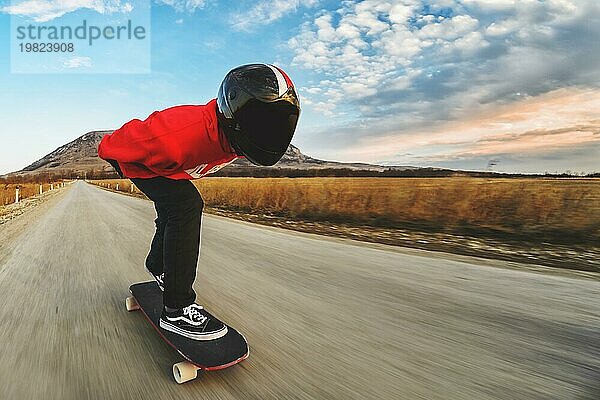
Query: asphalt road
[[325, 318]]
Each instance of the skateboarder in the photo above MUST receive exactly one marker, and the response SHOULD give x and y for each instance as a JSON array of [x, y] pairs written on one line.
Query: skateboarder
[[254, 116]]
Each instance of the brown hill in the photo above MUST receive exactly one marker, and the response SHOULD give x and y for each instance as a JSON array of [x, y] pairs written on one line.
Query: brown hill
[[78, 156]]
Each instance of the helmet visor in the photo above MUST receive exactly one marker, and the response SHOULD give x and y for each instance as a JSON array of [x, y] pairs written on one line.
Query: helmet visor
[[267, 129]]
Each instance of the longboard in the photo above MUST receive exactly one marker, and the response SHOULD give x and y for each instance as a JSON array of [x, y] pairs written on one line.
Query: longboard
[[208, 355]]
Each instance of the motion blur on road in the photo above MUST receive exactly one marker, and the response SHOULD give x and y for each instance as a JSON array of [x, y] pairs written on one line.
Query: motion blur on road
[[325, 318]]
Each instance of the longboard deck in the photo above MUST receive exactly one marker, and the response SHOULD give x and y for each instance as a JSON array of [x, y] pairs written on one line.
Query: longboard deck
[[208, 355]]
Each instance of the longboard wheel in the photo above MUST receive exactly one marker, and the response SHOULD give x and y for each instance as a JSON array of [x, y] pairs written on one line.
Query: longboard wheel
[[131, 304], [184, 372]]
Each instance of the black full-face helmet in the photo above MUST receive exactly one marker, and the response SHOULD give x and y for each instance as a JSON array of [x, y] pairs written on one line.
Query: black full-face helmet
[[258, 110]]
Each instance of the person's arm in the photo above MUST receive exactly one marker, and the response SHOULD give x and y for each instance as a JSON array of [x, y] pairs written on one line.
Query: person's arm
[[128, 144], [149, 143]]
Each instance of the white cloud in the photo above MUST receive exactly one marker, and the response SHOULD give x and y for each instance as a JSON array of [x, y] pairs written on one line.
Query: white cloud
[[502, 28], [324, 107], [448, 28], [312, 90], [184, 5], [365, 46], [78, 62], [47, 10], [397, 72], [372, 46], [179, 21], [468, 44], [492, 5], [403, 82], [267, 11]]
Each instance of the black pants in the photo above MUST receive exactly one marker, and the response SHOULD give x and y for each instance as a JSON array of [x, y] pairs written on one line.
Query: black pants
[[176, 243]]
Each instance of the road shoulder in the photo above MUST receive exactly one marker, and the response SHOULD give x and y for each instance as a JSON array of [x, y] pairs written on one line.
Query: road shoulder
[[16, 219]]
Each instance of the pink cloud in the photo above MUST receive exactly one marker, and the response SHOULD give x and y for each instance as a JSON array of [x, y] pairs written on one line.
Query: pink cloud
[[562, 118]]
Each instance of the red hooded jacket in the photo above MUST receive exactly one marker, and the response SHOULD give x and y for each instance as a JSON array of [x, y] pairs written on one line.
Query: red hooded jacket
[[181, 142]]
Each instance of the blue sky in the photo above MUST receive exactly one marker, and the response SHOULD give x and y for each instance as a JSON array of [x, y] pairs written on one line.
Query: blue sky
[[428, 83]]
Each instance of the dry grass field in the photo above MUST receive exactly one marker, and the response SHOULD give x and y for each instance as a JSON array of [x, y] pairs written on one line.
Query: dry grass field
[[7, 191], [122, 185], [561, 210]]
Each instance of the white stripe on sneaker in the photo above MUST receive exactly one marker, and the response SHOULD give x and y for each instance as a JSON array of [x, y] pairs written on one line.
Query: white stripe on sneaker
[[200, 336]]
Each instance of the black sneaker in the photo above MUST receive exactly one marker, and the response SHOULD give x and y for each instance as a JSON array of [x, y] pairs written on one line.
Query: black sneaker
[[193, 322], [159, 279]]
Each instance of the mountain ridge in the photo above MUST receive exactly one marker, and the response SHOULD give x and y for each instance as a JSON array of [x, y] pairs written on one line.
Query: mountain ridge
[[80, 157]]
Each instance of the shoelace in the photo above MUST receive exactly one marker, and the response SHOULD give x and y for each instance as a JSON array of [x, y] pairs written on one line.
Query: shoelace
[[192, 312]]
